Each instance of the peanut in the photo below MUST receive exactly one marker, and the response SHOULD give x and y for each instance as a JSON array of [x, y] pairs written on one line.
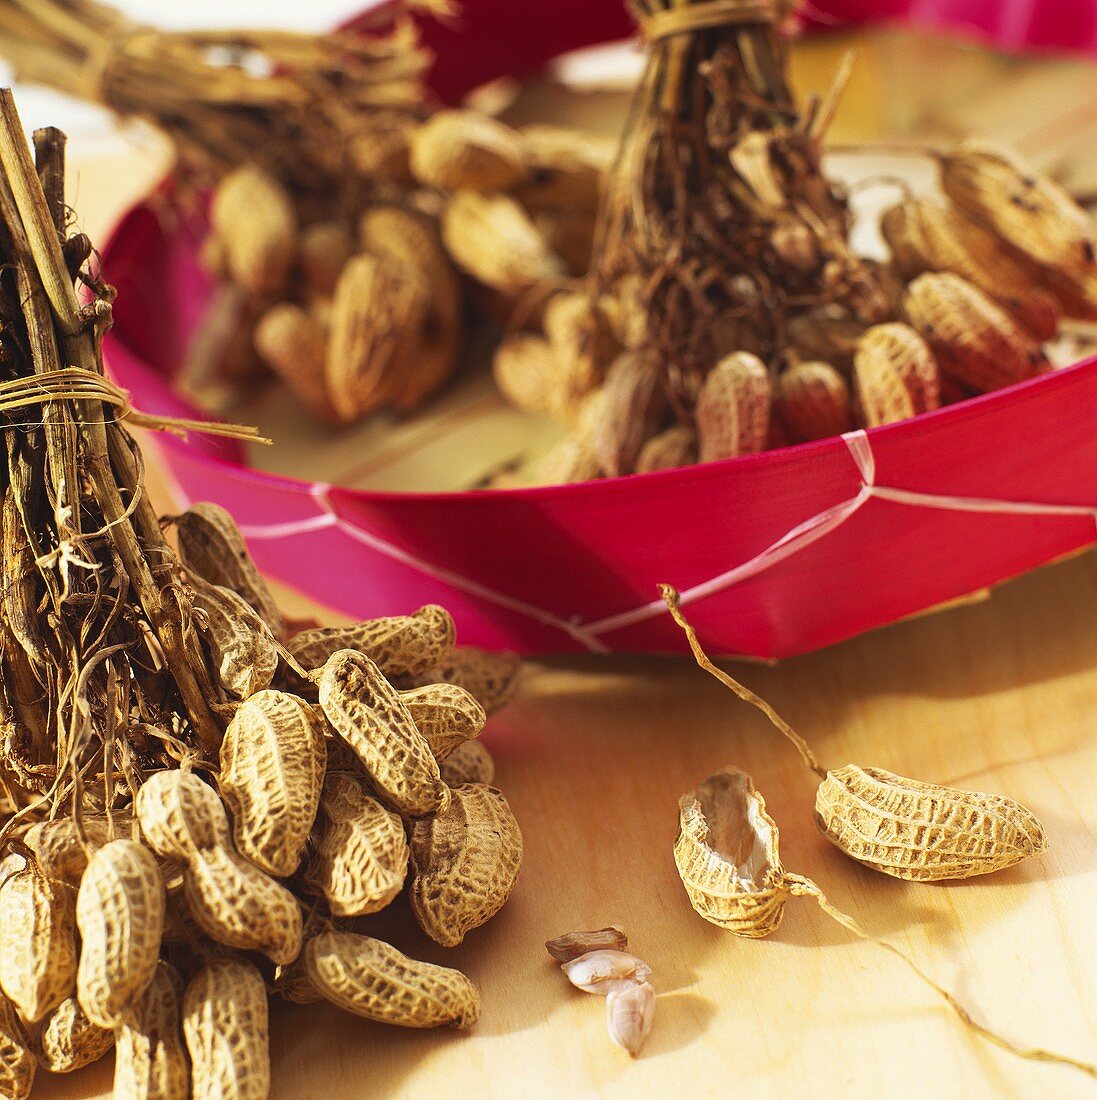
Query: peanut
[[369, 978], [676, 446], [231, 900], [465, 862], [728, 855], [120, 914], [294, 344], [37, 942], [468, 763], [632, 409], [490, 677], [70, 1041], [446, 715], [150, 1062], [368, 715], [254, 219], [813, 400], [242, 649], [895, 374], [273, 758], [733, 408], [210, 544], [402, 645], [17, 1064], [360, 855], [226, 1031], [922, 831], [457, 148]]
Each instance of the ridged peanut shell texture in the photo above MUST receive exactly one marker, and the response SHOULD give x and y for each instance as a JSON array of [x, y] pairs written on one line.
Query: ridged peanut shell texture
[[465, 862], [400, 645], [150, 1062], [226, 1029], [273, 759], [17, 1064], [70, 1041], [37, 943], [361, 852], [369, 978], [972, 338], [895, 375], [813, 400], [490, 677], [210, 544], [242, 649], [1035, 215], [728, 856], [469, 763], [254, 220], [369, 716], [921, 831], [120, 913], [457, 148], [232, 901], [446, 715], [733, 408]]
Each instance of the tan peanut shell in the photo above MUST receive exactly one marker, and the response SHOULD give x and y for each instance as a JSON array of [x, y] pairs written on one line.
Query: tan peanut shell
[[572, 945], [446, 715], [211, 545], [468, 763], [254, 219], [293, 342], [458, 148], [120, 914], [273, 758], [17, 1064], [226, 1029], [728, 856], [360, 856], [323, 251], [37, 942], [567, 169], [493, 239], [733, 408], [813, 401], [378, 317], [927, 235], [583, 341], [411, 237], [922, 831], [232, 901], [571, 461], [1035, 215], [69, 1041], [400, 645], [241, 647], [895, 374], [972, 338], [571, 235], [150, 1062], [369, 978], [465, 862], [369, 716], [61, 847], [674, 447], [528, 374], [491, 677], [633, 406]]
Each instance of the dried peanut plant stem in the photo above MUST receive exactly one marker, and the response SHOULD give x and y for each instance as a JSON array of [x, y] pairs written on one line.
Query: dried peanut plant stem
[[805, 887], [674, 604]]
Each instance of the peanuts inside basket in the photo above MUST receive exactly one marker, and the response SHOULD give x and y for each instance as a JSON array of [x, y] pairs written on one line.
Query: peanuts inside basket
[[468, 436]]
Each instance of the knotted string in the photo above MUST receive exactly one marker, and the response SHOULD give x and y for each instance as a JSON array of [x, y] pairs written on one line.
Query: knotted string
[[78, 384]]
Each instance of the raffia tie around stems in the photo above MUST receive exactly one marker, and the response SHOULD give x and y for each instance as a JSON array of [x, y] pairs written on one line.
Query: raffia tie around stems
[[78, 384], [714, 13]]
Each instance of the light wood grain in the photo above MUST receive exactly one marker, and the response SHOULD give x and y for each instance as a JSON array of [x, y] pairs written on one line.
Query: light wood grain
[[1000, 696]]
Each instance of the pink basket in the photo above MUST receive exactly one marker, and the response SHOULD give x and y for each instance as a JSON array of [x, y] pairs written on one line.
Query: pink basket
[[778, 553]]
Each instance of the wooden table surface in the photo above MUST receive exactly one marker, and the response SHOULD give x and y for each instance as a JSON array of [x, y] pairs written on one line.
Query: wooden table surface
[[998, 696]]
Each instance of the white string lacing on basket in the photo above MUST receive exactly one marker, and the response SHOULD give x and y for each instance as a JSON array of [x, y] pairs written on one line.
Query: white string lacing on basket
[[792, 542]]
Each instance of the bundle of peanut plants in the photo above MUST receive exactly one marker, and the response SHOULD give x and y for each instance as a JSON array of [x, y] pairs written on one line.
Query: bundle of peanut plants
[[727, 313], [197, 809]]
